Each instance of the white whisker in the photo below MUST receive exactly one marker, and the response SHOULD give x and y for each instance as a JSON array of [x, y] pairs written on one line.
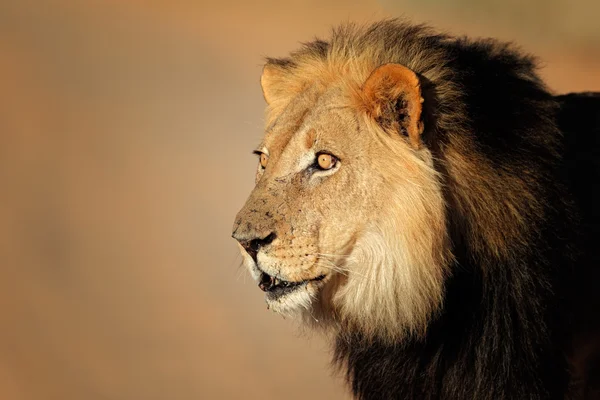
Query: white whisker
[[336, 268]]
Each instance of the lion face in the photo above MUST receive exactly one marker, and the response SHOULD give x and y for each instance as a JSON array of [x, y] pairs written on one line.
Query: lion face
[[303, 217], [345, 223]]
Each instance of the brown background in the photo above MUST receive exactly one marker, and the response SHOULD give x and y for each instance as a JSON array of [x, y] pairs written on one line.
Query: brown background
[[125, 137]]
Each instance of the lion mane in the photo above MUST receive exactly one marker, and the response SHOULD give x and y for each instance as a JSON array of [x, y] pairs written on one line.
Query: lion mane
[[484, 272]]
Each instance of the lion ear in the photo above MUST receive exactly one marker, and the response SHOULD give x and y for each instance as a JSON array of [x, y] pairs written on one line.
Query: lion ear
[[277, 80], [392, 96]]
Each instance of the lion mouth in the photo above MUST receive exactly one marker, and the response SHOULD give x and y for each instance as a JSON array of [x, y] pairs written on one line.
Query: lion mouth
[[278, 287]]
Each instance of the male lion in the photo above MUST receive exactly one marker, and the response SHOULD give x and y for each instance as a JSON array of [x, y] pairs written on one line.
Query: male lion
[[426, 200]]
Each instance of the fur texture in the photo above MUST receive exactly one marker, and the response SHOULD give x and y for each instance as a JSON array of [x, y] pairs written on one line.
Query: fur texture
[[452, 251]]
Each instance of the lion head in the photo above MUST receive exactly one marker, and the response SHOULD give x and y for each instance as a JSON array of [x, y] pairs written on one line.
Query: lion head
[[346, 222]]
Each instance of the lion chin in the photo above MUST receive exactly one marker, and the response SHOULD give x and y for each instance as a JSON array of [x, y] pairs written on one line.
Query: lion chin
[[427, 201], [287, 297]]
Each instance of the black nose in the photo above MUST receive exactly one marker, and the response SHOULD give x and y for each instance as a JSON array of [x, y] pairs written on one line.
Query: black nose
[[252, 246]]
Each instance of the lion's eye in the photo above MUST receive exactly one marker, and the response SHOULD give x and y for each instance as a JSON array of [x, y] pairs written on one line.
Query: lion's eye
[[326, 161], [264, 159]]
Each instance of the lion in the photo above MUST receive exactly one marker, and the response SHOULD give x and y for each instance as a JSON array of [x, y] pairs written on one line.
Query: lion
[[429, 204]]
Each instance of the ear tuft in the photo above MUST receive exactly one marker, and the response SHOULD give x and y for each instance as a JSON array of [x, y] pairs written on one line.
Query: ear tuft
[[392, 96], [275, 79], [267, 82]]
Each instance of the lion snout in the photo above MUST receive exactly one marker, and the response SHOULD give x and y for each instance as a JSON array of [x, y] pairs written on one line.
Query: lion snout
[[252, 246]]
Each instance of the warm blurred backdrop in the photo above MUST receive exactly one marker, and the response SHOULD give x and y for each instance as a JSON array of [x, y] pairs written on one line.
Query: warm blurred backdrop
[[126, 130]]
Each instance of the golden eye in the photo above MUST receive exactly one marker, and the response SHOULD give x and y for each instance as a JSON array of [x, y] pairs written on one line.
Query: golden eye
[[264, 159], [326, 161]]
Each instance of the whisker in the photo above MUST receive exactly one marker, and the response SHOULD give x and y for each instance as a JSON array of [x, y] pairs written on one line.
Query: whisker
[[323, 257], [235, 259], [332, 255], [336, 268], [241, 272]]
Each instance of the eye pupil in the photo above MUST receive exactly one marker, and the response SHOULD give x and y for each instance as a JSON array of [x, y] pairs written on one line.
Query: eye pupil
[[326, 161], [263, 160]]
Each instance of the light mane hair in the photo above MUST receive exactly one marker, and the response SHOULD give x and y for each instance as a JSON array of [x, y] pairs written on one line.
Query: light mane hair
[[399, 265]]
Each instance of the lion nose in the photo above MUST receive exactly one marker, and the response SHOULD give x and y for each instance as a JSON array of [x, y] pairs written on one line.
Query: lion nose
[[252, 246]]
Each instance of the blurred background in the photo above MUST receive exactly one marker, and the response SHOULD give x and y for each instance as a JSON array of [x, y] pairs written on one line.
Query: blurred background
[[126, 130]]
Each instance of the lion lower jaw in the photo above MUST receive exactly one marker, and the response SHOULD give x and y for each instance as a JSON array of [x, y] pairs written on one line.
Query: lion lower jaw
[[293, 303]]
